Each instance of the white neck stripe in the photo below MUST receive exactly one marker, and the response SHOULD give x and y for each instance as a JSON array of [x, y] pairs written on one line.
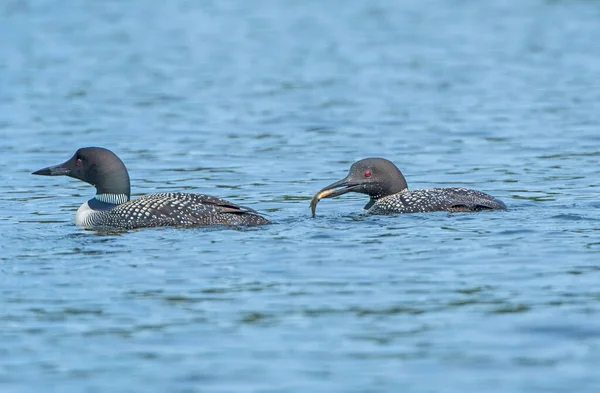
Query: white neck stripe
[[115, 199]]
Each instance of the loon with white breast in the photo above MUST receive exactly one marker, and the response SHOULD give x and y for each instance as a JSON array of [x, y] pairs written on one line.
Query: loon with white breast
[[112, 208], [384, 183]]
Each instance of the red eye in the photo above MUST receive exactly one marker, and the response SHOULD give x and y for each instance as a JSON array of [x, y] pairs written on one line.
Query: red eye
[[368, 174], [79, 162]]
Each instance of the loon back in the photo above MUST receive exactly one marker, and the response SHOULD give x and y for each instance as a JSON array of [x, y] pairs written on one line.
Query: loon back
[[436, 199], [166, 209], [112, 207]]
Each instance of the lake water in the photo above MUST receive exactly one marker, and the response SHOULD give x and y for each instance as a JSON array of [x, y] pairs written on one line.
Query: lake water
[[263, 103]]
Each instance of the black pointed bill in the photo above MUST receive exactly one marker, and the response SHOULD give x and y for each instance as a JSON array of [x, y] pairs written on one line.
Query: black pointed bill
[[335, 189], [56, 170]]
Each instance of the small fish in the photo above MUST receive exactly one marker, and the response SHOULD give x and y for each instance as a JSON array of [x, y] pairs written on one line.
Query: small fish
[[320, 195]]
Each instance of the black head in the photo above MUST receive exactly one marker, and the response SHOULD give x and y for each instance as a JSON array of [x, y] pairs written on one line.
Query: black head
[[376, 177], [97, 166]]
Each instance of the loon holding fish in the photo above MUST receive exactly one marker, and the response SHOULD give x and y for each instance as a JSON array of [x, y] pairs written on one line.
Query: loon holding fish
[[381, 180]]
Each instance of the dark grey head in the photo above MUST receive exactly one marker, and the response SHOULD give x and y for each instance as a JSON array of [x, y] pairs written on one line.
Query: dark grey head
[[97, 166], [376, 177]]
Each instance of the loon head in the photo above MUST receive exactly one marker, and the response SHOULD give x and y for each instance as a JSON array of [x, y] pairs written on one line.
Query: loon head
[[97, 166], [376, 177]]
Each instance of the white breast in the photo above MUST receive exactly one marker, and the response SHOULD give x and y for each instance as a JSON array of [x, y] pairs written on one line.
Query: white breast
[[83, 216]]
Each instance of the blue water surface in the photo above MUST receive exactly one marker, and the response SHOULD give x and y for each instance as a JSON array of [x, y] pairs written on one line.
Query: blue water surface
[[263, 103]]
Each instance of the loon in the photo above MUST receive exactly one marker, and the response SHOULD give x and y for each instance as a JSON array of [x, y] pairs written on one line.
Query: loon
[[112, 208], [381, 180]]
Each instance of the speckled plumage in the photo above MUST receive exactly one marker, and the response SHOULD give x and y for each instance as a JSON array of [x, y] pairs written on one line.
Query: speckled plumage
[[172, 209], [112, 209], [435, 199]]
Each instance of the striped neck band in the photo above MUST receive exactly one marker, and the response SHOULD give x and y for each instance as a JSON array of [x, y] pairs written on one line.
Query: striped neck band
[[115, 199]]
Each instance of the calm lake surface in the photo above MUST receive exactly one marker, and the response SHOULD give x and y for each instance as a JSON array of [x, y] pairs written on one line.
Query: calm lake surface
[[263, 103]]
